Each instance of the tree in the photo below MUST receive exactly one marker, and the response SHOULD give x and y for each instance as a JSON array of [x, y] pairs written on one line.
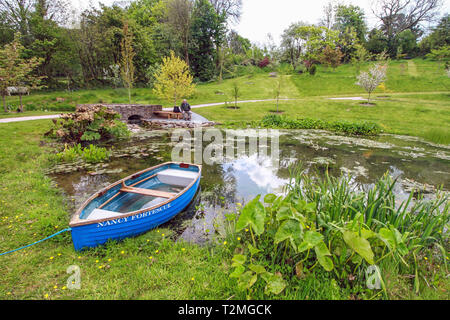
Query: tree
[[292, 44], [127, 65], [208, 33], [372, 79], [16, 71], [377, 41], [277, 89], [407, 43], [439, 37], [351, 17], [179, 14], [399, 15], [360, 56], [331, 57], [230, 9], [235, 93], [173, 81], [328, 19]]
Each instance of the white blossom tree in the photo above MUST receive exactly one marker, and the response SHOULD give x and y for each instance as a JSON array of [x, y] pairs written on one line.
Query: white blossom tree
[[372, 79]]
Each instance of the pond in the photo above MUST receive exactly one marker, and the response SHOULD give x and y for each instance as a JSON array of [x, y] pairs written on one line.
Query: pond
[[239, 179]]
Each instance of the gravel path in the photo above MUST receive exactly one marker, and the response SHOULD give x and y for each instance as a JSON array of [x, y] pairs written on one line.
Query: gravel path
[[18, 119], [195, 117]]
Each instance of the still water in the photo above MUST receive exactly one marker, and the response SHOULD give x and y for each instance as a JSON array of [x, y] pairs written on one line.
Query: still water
[[239, 179]]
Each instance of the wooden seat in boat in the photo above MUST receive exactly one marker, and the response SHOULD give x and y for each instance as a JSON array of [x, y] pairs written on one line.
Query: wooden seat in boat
[[148, 192]]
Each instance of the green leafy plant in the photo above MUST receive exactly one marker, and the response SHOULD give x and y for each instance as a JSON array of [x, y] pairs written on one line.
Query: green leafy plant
[[91, 154], [324, 226], [89, 124]]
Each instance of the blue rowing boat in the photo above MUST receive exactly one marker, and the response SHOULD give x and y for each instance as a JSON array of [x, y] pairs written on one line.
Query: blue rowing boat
[[135, 204]]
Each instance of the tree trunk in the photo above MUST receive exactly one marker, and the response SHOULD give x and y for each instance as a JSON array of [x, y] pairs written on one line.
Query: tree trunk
[[21, 106], [4, 104]]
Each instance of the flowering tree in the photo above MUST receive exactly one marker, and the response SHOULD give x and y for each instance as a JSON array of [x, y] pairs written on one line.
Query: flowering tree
[[372, 79]]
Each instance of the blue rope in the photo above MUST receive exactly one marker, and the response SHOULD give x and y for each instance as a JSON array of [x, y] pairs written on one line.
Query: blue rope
[[53, 235]]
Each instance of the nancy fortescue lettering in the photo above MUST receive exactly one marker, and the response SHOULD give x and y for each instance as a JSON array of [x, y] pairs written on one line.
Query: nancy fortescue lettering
[[134, 217]]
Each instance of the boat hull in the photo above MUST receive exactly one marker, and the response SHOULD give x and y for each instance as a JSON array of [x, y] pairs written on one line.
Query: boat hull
[[97, 233]]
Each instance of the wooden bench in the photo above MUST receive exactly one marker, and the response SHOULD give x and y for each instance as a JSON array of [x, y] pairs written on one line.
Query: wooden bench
[[169, 114], [148, 192]]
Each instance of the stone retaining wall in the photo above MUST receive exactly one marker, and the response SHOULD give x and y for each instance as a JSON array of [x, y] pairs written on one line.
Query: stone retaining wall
[[128, 110], [164, 124]]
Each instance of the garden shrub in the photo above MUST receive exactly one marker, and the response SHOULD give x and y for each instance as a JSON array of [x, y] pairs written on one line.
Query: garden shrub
[[89, 124]]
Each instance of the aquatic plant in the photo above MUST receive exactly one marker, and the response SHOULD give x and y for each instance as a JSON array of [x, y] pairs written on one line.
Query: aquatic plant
[[364, 128], [91, 154], [325, 226]]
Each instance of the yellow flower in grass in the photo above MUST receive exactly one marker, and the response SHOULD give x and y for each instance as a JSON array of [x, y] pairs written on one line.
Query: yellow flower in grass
[[425, 258], [55, 287], [109, 260], [246, 230], [163, 234], [151, 257], [64, 288], [100, 267], [192, 279], [46, 296], [96, 261], [51, 258], [224, 243], [156, 251], [238, 238], [183, 249], [122, 252]]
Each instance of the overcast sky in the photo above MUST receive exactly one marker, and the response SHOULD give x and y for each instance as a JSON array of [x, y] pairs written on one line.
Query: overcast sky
[[261, 17]]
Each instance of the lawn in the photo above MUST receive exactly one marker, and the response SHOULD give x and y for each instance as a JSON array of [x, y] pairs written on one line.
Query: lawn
[[415, 100], [154, 266], [32, 207], [422, 115]]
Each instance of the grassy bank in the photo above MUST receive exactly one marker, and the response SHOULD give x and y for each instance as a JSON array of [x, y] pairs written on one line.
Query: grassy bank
[[32, 207], [152, 266]]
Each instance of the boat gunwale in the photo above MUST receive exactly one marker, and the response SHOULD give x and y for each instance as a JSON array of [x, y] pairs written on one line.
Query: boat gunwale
[[76, 221]]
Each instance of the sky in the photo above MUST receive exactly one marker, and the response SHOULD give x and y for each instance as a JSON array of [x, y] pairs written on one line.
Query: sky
[[262, 17]]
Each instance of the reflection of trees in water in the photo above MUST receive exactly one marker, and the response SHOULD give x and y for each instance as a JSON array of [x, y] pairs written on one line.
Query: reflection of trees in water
[[216, 183]]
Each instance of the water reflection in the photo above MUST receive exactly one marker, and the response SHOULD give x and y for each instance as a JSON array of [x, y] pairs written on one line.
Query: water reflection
[[413, 161]]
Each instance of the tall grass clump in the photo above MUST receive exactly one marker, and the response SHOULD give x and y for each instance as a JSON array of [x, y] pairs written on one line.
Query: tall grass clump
[[438, 136], [322, 228]]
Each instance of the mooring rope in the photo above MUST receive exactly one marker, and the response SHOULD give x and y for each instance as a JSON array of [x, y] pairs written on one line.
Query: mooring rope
[[32, 244]]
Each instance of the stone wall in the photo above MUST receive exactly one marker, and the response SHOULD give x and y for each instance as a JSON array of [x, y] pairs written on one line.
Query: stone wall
[[128, 110], [164, 124]]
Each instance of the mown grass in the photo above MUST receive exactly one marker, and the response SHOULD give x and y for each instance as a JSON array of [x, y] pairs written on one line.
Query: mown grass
[[422, 115], [257, 86], [151, 266], [32, 207]]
